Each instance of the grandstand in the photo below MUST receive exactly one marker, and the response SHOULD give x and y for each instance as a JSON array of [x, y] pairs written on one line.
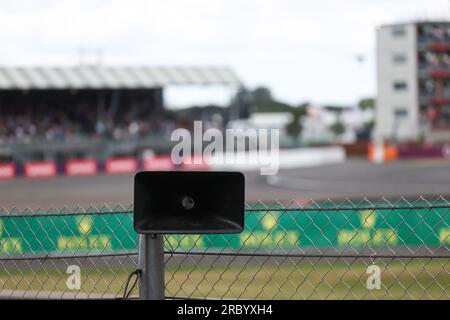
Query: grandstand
[[60, 113]]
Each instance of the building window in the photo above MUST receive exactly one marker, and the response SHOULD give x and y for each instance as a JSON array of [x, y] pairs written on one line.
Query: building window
[[399, 58], [398, 31], [400, 86], [400, 113]]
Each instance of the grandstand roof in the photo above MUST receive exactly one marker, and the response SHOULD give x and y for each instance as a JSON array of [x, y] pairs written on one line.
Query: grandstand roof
[[107, 77]]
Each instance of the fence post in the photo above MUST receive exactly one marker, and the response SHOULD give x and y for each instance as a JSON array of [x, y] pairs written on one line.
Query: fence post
[[151, 262]]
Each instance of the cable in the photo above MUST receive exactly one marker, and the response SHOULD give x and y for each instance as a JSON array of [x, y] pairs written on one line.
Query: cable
[[138, 274]]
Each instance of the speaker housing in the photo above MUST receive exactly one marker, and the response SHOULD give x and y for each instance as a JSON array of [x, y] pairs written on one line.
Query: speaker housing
[[188, 202]]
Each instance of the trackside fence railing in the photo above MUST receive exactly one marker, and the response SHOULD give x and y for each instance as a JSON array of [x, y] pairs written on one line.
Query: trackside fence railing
[[315, 250]]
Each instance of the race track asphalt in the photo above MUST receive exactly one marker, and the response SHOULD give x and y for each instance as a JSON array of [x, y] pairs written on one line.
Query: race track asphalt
[[354, 179]]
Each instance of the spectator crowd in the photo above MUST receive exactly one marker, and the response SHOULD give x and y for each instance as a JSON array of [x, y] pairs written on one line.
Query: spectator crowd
[[23, 124]]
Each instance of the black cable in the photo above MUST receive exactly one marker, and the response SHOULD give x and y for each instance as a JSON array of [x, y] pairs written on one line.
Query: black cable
[[138, 274]]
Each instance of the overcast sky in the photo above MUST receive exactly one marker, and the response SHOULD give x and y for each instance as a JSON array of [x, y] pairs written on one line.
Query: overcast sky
[[302, 50]]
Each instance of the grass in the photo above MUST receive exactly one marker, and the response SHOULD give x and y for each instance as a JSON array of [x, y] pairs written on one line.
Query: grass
[[401, 279]]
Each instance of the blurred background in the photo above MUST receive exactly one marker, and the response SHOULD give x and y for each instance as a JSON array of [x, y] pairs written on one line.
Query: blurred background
[[90, 92]]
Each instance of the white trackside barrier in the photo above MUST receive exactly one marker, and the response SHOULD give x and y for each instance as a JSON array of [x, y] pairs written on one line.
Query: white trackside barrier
[[288, 158]]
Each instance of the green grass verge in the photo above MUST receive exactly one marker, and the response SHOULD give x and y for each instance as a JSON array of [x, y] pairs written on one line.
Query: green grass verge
[[401, 279]]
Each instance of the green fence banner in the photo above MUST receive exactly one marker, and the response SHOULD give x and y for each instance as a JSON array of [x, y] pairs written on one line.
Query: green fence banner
[[322, 228]]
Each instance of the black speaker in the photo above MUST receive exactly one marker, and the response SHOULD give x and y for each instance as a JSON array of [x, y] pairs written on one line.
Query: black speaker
[[189, 202]]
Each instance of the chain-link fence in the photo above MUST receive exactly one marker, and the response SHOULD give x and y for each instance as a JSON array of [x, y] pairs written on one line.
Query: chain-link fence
[[345, 250]]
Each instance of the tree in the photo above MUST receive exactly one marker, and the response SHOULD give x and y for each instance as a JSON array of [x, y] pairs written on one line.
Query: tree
[[294, 128], [262, 96], [366, 103], [338, 127], [259, 99]]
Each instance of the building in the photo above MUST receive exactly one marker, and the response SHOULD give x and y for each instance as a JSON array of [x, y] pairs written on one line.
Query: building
[[264, 120], [317, 124], [413, 80], [68, 112]]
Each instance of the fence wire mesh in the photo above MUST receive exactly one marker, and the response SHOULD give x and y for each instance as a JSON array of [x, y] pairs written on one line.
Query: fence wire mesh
[[314, 250]]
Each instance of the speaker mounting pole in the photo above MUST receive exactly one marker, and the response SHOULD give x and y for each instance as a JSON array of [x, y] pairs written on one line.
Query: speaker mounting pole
[[151, 262]]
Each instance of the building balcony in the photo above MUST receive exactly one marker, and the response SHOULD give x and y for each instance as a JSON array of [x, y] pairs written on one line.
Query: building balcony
[[434, 72], [439, 100], [434, 45], [440, 73], [434, 100]]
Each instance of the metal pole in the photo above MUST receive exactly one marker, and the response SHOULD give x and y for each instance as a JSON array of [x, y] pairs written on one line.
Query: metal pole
[[151, 262]]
